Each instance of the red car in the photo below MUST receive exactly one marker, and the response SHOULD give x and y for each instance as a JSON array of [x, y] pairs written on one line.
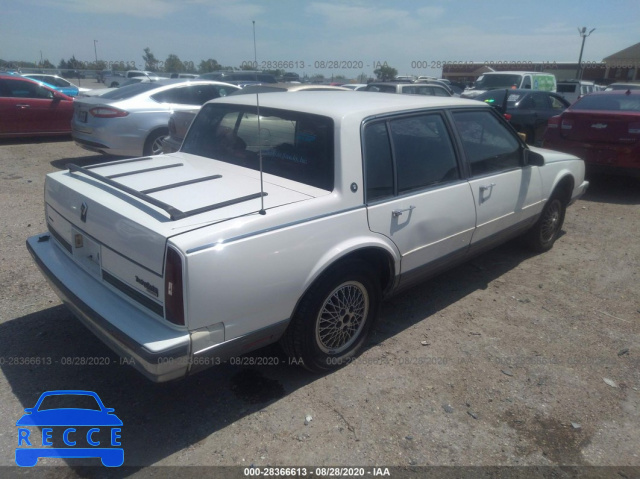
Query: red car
[[602, 128], [28, 108]]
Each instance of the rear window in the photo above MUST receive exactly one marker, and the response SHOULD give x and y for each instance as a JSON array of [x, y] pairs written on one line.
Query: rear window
[[293, 145], [567, 88], [129, 91], [606, 102], [498, 81]]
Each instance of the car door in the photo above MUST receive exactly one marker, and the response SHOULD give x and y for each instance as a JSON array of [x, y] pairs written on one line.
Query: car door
[[507, 193], [10, 120], [415, 192], [34, 108]]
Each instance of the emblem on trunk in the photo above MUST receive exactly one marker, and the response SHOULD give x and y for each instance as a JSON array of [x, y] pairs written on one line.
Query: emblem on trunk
[[148, 286], [83, 212], [599, 126]]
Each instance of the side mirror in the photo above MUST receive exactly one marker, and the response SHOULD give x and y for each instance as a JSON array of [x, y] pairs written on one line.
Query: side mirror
[[532, 158]]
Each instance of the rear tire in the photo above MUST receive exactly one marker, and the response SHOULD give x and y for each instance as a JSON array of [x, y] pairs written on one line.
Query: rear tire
[[334, 318], [545, 231], [153, 145]]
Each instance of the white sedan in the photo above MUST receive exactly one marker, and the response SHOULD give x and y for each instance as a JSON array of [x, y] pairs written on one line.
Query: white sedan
[[291, 222]]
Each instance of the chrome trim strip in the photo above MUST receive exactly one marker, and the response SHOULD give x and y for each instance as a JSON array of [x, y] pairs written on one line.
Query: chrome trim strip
[[273, 228]]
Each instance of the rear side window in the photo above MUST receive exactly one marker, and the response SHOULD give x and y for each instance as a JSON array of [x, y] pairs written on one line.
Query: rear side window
[[188, 95], [378, 161], [408, 154], [488, 145]]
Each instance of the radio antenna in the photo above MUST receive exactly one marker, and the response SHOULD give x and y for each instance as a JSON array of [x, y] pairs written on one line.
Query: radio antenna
[[255, 59]]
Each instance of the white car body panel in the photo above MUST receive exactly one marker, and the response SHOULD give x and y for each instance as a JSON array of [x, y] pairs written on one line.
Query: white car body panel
[[111, 227]]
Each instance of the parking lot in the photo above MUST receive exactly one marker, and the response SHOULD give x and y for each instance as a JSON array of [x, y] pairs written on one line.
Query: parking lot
[[511, 359]]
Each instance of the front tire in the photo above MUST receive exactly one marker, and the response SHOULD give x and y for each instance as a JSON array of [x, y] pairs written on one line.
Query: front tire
[[334, 318], [545, 232]]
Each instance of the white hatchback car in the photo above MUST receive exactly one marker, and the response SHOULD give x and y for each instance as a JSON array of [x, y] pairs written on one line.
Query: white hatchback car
[[290, 222]]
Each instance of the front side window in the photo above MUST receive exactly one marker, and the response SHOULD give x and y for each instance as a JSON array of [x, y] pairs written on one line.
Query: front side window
[[488, 145], [296, 146], [24, 89]]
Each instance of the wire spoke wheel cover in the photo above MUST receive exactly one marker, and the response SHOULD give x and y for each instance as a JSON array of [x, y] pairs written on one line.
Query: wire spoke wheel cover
[[551, 221], [342, 317]]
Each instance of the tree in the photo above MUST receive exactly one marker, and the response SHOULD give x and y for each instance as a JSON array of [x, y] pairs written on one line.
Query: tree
[[150, 61], [71, 64], [385, 72], [276, 73], [174, 64], [210, 65]]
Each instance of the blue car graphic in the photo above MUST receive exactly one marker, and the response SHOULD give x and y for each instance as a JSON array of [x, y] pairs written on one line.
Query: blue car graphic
[[69, 418]]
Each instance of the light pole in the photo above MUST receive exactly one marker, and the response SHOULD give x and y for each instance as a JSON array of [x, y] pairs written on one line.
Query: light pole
[[582, 31], [95, 50]]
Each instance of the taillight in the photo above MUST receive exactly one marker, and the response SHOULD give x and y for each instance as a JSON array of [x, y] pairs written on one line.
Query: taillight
[[173, 288], [106, 112], [507, 116], [554, 122]]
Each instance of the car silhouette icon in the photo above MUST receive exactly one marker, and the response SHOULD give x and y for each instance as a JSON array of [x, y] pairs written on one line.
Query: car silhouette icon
[[94, 418]]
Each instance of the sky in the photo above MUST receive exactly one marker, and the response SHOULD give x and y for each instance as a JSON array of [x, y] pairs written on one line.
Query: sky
[[323, 36]]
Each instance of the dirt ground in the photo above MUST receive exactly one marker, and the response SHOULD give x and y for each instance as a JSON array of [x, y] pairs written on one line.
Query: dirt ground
[[512, 359]]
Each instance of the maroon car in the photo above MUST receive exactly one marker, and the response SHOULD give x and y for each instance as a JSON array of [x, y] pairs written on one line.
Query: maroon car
[[28, 108], [602, 128]]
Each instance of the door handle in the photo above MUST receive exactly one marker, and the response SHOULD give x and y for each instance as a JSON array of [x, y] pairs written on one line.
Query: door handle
[[22, 106], [487, 187], [396, 213]]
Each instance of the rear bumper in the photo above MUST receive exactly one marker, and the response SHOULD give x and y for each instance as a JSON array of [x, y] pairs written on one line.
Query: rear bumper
[[156, 350]]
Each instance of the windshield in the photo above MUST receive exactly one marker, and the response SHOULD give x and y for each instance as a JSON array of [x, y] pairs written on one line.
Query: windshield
[[486, 82], [296, 146], [129, 91], [608, 102]]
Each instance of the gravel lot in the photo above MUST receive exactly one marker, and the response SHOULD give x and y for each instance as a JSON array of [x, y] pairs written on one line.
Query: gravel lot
[[512, 359]]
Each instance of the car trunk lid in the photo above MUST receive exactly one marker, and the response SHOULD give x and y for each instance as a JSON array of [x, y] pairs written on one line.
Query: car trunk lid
[[131, 207], [600, 127]]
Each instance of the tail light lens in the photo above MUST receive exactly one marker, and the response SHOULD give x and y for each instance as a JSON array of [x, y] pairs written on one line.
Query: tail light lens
[[107, 112], [554, 122], [173, 288]]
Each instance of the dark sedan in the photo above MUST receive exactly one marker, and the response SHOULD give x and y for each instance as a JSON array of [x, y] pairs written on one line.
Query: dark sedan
[[28, 108], [602, 128], [527, 110]]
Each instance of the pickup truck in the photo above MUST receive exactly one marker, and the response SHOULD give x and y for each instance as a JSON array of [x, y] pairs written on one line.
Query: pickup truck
[[290, 220], [114, 79]]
